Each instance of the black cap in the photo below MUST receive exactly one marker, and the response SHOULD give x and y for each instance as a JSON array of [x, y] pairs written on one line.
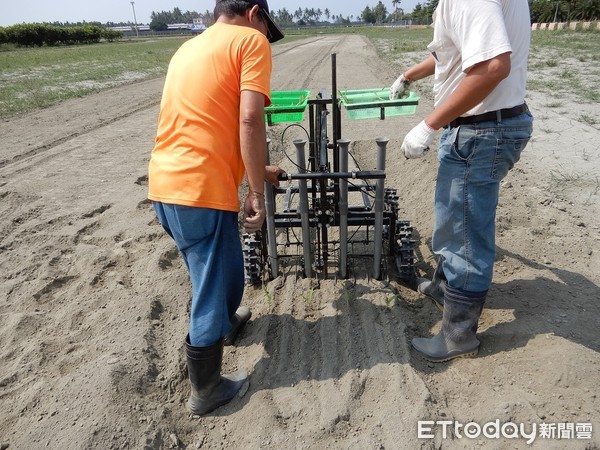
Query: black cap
[[275, 33]]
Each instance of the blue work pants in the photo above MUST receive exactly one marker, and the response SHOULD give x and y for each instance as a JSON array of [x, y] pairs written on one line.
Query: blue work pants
[[210, 244], [473, 160]]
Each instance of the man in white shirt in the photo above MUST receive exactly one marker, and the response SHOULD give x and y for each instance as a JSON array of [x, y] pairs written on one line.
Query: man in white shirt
[[478, 58]]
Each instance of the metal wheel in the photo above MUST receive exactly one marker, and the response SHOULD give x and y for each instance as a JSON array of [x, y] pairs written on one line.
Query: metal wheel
[[405, 252], [391, 205], [253, 258]]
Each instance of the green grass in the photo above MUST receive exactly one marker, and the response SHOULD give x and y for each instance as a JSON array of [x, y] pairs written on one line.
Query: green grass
[[589, 119], [401, 40], [268, 295], [41, 77], [569, 43], [308, 298], [32, 78], [390, 301], [558, 54]]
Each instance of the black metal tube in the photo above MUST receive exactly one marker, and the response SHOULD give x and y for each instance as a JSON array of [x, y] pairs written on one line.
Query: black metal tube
[[379, 204], [311, 129], [323, 159], [324, 225], [336, 126], [351, 188], [270, 208], [303, 208], [343, 207], [334, 109], [359, 175]]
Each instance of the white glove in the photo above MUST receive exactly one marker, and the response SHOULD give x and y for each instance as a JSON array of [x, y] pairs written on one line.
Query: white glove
[[400, 88], [417, 141]]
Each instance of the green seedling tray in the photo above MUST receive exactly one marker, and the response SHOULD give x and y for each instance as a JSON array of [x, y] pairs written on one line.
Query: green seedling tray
[[286, 107], [376, 103]]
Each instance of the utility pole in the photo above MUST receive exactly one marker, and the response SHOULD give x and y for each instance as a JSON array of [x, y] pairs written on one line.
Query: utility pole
[[556, 10], [137, 33]]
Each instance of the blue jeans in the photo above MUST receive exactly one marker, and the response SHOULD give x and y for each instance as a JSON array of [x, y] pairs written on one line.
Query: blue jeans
[[210, 244], [473, 160]]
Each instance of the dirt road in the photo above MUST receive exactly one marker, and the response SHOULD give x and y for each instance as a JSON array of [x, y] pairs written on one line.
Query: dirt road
[[93, 295]]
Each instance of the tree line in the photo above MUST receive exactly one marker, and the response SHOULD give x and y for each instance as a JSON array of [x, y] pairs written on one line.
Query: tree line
[[159, 20], [299, 17], [39, 34], [541, 11]]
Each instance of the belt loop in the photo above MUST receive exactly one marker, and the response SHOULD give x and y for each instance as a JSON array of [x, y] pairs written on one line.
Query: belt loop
[[498, 116]]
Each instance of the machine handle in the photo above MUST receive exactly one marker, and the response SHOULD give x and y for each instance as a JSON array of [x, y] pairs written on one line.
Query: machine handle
[[360, 175]]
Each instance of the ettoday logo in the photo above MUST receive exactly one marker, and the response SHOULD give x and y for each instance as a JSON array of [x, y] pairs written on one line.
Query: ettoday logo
[[426, 429]]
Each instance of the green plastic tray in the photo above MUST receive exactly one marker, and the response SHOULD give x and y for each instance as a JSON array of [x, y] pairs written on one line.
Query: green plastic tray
[[286, 106], [376, 103]]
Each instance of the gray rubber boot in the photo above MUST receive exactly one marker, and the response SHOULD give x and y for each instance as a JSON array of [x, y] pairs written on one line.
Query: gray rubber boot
[[436, 287], [209, 389], [241, 316], [458, 336]]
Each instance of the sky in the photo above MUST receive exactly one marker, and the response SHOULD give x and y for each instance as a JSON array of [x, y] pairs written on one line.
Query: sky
[[29, 11]]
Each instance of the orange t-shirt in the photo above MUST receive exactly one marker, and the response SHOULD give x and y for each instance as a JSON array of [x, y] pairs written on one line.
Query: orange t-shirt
[[196, 159]]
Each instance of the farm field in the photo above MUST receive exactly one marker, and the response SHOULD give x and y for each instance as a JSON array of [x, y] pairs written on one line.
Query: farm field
[[93, 294]]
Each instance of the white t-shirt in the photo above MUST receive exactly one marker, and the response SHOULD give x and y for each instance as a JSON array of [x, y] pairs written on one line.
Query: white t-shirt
[[467, 32]]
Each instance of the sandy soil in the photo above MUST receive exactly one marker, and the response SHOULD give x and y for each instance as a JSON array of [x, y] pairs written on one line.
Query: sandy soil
[[93, 295]]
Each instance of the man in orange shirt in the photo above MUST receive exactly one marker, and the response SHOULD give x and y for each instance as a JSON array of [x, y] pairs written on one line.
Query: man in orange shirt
[[210, 131]]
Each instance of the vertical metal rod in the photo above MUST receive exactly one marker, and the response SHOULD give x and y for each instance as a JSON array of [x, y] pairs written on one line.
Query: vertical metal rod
[[324, 224], [334, 109], [379, 194], [323, 157], [303, 207], [137, 30], [312, 140], [335, 117], [312, 147], [343, 207], [270, 208]]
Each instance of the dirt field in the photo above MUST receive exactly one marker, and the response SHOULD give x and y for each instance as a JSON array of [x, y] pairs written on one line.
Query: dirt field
[[93, 294]]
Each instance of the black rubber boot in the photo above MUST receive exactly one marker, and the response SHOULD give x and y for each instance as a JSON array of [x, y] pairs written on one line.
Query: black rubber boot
[[436, 287], [209, 389], [458, 336], [241, 316]]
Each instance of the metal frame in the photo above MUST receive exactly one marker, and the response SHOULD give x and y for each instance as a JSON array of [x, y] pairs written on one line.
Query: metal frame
[[322, 189]]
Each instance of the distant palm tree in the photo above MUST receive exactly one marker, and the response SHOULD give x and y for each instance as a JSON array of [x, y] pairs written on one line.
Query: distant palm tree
[[396, 5], [587, 10]]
